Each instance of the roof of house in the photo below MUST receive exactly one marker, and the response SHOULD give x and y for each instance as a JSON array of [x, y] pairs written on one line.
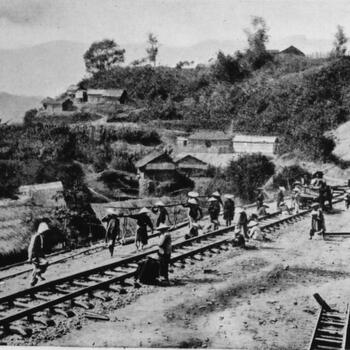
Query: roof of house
[[210, 135], [293, 50], [107, 92], [57, 185], [181, 157], [44, 194], [254, 139], [149, 158], [214, 159], [114, 93], [73, 88]]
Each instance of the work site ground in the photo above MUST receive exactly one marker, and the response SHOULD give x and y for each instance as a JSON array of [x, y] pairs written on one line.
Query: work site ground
[[255, 298]]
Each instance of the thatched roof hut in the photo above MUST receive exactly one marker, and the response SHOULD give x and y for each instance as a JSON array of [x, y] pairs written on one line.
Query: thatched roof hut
[[16, 228]]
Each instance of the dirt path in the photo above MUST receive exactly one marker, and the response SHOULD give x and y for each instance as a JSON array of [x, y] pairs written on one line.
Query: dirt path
[[259, 298]]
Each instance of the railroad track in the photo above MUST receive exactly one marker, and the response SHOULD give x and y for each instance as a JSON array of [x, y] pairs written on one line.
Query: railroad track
[[20, 309], [332, 329]]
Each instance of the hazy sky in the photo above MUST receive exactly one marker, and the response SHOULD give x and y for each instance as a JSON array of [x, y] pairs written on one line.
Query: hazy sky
[[176, 22]]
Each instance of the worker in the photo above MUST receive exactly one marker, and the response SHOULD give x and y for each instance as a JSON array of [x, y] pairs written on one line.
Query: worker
[[255, 231], [163, 213], [36, 255], [164, 252], [242, 222], [214, 211], [194, 211], [280, 197], [347, 199], [296, 200], [194, 230], [143, 221], [217, 196], [238, 238], [262, 211], [112, 230], [317, 220], [193, 195], [329, 196], [260, 199], [229, 209]]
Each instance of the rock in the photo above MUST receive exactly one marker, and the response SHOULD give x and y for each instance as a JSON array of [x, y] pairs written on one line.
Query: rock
[[295, 303], [309, 311]]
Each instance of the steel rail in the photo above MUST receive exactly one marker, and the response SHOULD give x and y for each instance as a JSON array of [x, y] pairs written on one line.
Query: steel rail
[[10, 299]]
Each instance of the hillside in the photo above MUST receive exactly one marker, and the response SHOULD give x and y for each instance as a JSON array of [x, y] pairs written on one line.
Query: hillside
[[13, 107]]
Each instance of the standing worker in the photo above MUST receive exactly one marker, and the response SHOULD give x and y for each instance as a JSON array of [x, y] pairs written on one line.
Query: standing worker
[[260, 199], [242, 222], [143, 221], [347, 199], [229, 209], [112, 230], [36, 254], [317, 220], [329, 197], [164, 252], [296, 200], [163, 213], [217, 196], [280, 197], [214, 212]]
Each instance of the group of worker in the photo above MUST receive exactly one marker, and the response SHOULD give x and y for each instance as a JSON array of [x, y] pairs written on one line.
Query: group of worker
[[245, 227]]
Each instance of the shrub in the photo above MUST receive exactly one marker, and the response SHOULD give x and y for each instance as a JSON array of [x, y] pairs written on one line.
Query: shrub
[[243, 176], [10, 178]]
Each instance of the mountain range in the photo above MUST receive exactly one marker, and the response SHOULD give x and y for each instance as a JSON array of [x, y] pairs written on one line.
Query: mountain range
[[13, 107]]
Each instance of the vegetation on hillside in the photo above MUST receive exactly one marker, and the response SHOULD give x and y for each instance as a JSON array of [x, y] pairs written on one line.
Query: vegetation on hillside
[[296, 97]]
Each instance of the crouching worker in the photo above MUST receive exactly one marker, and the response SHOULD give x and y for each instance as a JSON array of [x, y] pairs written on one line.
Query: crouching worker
[[194, 230], [164, 252], [238, 238], [255, 231], [317, 221], [36, 254]]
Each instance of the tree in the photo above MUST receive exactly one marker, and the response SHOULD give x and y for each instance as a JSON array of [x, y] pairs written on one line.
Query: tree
[[256, 54], [103, 56], [228, 68], [152, 50], [339, 43], [243, 176], [29, 117]]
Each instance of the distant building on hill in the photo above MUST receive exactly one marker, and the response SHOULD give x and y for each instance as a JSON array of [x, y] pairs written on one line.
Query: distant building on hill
[[59, 105], [47, 194], [255, 144], [190, 165], [292, 50], [154, 168], [206, 141], [110, 95], [76, 93]]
